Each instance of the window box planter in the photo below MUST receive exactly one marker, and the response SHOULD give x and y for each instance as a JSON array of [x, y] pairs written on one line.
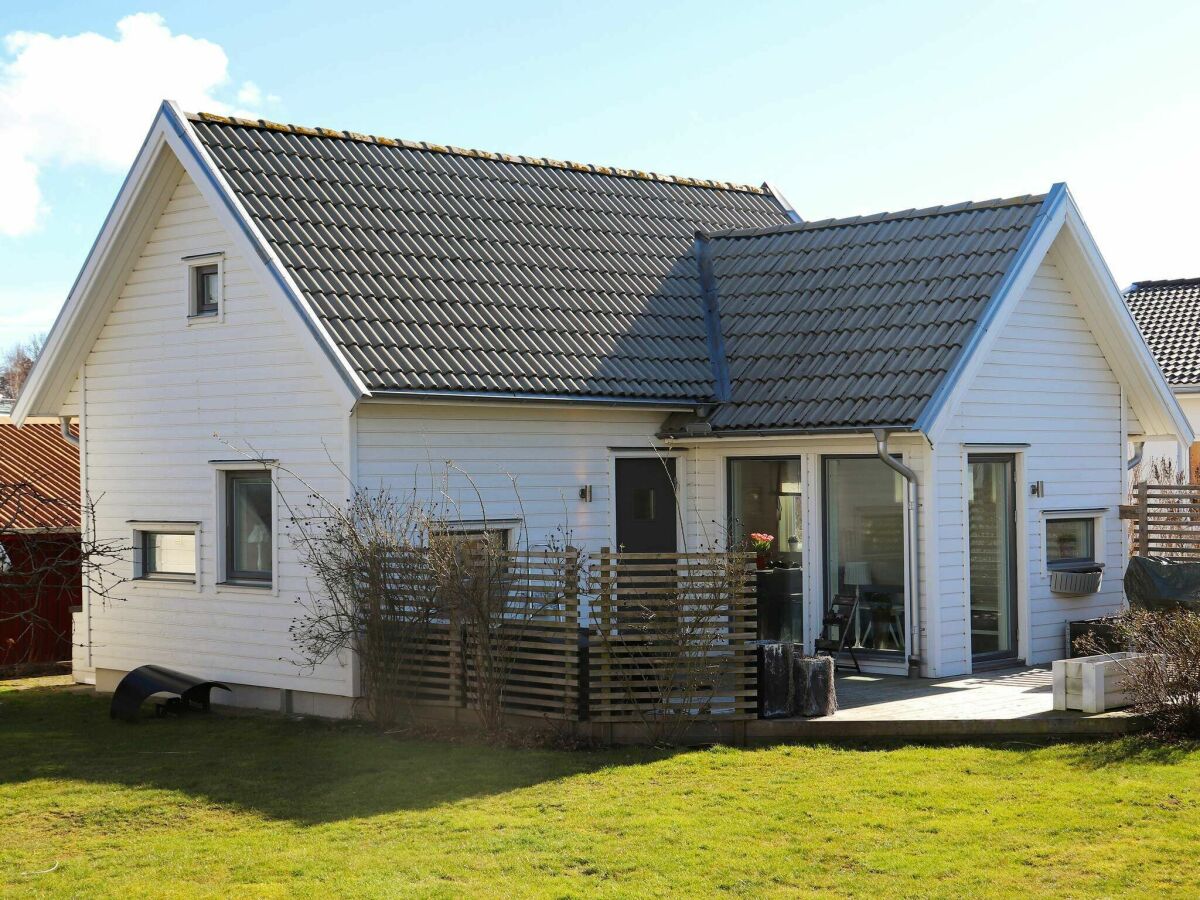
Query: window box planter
[[1077, 581], [1092, 684]]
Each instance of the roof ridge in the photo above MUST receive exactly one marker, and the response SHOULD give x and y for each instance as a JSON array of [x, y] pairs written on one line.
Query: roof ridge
[[1161, 283], [543, 161], [927, 212]]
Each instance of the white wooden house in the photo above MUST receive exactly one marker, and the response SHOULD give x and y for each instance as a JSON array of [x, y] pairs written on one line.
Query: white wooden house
[[360, 310]]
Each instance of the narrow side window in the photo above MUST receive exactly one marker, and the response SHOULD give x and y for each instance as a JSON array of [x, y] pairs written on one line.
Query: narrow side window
[[204, 288], [248, 527]]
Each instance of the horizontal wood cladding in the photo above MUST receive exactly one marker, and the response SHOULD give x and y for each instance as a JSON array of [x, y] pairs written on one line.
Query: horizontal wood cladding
[[159, 399], [1045, 382]]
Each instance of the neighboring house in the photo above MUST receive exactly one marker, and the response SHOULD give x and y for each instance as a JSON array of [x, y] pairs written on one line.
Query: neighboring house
[[356, 310], [1168, 315], [40, 577]]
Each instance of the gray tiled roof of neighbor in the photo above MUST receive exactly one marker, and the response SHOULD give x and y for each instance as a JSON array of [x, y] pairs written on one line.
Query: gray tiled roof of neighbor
[[437, 268], [855, 322], [1168, 314]]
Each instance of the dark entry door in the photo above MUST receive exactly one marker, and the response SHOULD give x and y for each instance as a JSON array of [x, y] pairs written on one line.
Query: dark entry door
[[646, 520]]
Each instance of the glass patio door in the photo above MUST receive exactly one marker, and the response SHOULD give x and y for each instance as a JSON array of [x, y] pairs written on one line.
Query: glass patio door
[[991, 514]]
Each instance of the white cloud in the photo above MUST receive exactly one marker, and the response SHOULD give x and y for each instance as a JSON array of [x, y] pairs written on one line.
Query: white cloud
[[27, 311], [87, 99]]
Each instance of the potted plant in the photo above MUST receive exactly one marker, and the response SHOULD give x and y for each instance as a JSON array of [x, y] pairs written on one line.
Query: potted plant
[[762, 544]]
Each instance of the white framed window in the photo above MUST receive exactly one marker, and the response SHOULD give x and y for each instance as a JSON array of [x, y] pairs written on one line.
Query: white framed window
[[166, 551], [1073, 538], [205, 286]]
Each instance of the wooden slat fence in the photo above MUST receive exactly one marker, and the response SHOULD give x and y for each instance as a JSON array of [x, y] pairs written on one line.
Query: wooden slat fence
[[535, 638], [1166, 521], [670, 636], [532, 640]]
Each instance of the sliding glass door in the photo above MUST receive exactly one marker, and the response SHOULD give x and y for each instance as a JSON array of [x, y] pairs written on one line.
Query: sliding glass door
[[864, 547], [991, 514]]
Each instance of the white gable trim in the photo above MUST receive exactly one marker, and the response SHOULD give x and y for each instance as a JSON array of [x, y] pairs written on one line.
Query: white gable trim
[[233, 215], [1103, 308], [1107, 314], [167, 152]]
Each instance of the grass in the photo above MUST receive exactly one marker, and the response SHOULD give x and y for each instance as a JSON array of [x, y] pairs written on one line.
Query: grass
[[264, 806]]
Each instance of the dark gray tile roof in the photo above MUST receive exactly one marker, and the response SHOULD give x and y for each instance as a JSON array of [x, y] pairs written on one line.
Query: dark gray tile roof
[[1168, 314], [855, 322], [437, 268]]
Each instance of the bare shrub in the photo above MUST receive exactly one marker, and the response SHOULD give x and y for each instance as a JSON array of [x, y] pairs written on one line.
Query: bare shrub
[[434, 605], [377, 596], [44, 568], [664, 627], [1165, 682]]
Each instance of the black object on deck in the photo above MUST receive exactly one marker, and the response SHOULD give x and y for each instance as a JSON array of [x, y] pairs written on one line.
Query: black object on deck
[[840, 615], [780, 595], [1155, 583], [146, 681], [792, 684]]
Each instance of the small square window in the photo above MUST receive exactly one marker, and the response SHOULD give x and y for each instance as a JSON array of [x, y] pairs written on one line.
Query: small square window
[[1070, 542], [479, 549], [205, 288], [168, 555]]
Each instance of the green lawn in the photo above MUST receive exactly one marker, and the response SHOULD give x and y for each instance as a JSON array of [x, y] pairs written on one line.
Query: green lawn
[[262, 806]]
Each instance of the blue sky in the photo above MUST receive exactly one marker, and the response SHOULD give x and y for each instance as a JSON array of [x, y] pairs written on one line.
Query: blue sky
[[847, 108]]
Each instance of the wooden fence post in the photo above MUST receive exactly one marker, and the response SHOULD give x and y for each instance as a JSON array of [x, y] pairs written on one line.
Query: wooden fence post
[[1143, 506]]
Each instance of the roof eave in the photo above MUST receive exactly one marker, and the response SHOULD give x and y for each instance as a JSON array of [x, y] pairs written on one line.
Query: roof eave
[[766, 433], [452, 396]]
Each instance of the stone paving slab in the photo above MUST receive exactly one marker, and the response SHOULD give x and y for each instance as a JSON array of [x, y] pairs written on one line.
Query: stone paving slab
[[1002, 703]]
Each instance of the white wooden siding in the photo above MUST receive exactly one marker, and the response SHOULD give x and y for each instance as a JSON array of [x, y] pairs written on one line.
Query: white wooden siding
[[1045, 382], [164, 398], [527, 461]]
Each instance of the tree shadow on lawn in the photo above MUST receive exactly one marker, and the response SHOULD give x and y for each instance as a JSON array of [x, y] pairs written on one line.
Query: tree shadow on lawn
[[1136, 749], [308, 771]]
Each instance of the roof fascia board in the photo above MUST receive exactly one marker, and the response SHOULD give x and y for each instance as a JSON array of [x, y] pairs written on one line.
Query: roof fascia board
[[513, 399], [1113, 326], [733, 437], [138, 204], [238, 222], [936, 415]]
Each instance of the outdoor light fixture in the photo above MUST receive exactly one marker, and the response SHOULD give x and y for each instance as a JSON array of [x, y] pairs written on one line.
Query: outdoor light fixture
[[585, 493]]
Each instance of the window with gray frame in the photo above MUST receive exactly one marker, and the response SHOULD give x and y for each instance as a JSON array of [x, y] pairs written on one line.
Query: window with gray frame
[[206, 289], [248, 527], [1070, 542], [168, 555]]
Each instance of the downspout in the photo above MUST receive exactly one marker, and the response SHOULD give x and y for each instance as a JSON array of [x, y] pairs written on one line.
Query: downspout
[[64, 425], [1139, 447], [911, 596]]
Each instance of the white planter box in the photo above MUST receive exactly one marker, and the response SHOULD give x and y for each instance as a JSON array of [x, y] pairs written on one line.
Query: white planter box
[[1092, 684]]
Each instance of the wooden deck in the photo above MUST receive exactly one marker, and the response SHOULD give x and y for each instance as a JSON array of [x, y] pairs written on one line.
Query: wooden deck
[[1002, 704]]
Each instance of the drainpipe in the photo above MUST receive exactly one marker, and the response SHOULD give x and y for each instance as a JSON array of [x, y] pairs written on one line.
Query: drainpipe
[[64, 425], [1139, 447], [911, 596]]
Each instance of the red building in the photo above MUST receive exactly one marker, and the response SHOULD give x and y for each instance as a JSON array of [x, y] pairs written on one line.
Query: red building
[[40, 574]]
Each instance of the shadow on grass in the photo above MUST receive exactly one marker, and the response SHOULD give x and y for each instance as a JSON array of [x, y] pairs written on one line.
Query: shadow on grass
[[1140, 749], [306, 771]]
